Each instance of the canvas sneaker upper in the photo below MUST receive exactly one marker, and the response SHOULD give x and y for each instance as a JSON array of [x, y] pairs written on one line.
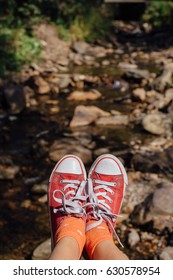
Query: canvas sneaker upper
[[107, 181], [66, 193]]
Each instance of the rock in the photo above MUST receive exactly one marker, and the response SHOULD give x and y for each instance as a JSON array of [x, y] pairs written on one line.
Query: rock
[[140, 186], [8, 172], [43, 199], [147, 27], [84, 115], [63, 61], [42, 86], [155, 162], [157, 123], [105, 62], [80, 47], [27, 203], [65, 146], [125, 65], [140, 94], [133, 238], [84, 95], [156, 209], [40, 188], [166, 253], [137, 74], [113, 120], [15, 98], [162, 201], [43, 251], [165, 78], [166, 99], [64, 81], [146, 236], [30, 181], [101, 151], [83, 137]]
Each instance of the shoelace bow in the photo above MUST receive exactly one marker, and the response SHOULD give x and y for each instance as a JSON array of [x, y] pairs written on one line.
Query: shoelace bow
[[71, 205], [100, 209]]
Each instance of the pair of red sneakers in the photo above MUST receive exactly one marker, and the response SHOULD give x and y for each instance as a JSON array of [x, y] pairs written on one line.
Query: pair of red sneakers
[[98, 197]]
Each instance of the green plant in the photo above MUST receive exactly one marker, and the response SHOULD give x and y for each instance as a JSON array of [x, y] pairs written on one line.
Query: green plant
[[17, 48], [159, 13]]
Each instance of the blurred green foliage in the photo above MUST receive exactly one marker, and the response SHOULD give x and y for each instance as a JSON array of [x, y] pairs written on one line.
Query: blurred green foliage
[[159, 13], [76, 19]]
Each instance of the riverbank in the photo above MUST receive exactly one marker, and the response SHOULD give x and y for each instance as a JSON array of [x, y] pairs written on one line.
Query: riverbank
[[124, 91]]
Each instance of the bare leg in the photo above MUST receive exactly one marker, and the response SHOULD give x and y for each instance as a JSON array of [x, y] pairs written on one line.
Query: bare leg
[[107, 250], [66, 249]]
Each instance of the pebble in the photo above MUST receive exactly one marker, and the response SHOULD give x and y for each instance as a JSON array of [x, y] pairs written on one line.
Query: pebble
[[84, 95], [133, 238], [8, 172], [166, 253], [40, 188], [42, 252]]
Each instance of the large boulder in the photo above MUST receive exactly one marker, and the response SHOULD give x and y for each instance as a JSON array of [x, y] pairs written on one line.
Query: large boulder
[[155, 162], [157, 209], [157, 123], [85, 115], [165, 78], [15, 98]]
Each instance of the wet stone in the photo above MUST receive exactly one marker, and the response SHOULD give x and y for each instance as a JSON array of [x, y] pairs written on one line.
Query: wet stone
[[165, 78], [42, 252], [84, 115], [84, 95], [42, 86], [8, 172], [140, 94], [40, 188], [137, 74], [156, 208], [133, 238], [15, 98], [162, 199], [80, 47], [113, 120], [62, 147], [166, 253], [157, 123]]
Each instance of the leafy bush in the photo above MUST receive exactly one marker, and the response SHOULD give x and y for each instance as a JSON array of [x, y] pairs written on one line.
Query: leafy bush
[[16, 48], [159, 13]]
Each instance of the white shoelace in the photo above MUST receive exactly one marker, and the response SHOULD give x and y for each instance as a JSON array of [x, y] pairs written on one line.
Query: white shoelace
[[71, 205], [101, 211]]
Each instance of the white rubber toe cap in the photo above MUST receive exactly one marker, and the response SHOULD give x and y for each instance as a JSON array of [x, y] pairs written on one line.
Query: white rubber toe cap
[[108, 166], [69, 165]]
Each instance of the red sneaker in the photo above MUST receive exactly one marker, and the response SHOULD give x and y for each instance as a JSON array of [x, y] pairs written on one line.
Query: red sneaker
[[66, 193], [107, 181]]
